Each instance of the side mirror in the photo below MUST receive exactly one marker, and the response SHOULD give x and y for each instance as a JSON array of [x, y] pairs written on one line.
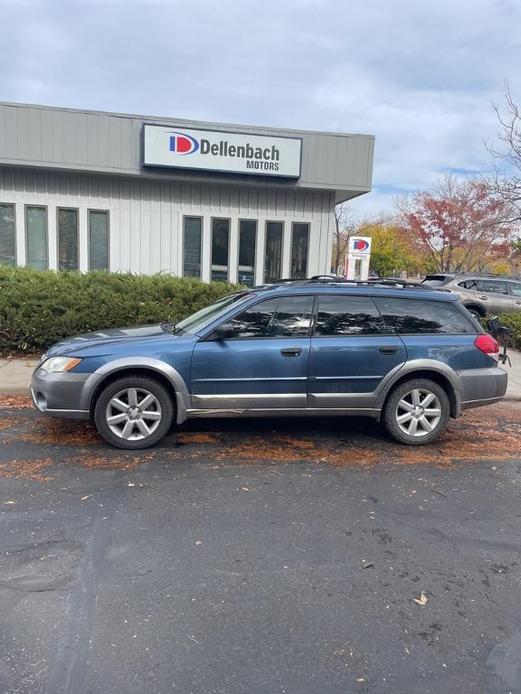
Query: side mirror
[[225, 331]]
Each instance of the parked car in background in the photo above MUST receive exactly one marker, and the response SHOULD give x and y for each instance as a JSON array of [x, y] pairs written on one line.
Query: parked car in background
[[407, 355], [481, 294]]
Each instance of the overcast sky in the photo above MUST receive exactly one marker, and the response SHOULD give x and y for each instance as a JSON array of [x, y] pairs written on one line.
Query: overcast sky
[[421, 75]]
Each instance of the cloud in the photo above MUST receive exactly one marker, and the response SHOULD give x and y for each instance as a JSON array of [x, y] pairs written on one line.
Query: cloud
[[419, 76]]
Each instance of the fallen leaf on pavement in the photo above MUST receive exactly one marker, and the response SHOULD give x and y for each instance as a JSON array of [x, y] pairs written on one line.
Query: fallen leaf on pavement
[[422, 600]]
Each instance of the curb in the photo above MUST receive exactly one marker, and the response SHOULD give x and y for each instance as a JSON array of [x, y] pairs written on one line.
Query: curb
[[511, 398], [14, 390]]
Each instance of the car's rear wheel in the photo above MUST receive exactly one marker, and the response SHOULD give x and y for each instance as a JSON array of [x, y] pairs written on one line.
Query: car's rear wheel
[[133, 412], [416, 411]]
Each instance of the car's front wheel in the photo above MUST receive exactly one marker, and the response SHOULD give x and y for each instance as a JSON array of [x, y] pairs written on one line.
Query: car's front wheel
[[417, 411], [133, 412]]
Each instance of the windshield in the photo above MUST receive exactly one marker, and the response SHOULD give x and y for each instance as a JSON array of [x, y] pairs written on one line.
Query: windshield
[[198, 321]]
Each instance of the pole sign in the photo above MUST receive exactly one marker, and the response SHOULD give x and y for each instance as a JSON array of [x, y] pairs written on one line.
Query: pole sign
[[214, 150], [358, 258]]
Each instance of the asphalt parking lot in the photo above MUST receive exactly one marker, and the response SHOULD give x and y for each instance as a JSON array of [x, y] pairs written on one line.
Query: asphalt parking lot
[[260, 556]]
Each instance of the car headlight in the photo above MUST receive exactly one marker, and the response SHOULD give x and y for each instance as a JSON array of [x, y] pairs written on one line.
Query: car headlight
[[59, 364]]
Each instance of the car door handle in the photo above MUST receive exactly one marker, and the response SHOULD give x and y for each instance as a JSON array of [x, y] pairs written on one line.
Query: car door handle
[[291, 351], [392, 349], [483, 297]]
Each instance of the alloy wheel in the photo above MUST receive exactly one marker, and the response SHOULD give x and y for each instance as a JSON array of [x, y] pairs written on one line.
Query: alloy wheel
[[133, 414], [418, 412]]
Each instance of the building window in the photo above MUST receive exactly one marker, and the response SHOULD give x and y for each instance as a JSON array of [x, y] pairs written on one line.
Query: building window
[[220, 248], [247, 243], [7, 235], [273, 258], [36, 237], [192, 234], [68, 254], [98, 240], [299, 250]]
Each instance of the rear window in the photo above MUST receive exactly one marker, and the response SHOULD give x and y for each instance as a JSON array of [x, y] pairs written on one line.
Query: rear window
[[488, 286], [413, 316], [515, 288], [347, 315], [492, 287]]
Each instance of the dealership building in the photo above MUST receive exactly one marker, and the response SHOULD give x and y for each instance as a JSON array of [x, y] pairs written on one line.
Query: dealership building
[[90, 190]]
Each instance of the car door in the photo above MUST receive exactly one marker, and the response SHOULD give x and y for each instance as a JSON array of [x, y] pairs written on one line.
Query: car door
[[350, 352], [264, 365], [515, 290], [495, 295]]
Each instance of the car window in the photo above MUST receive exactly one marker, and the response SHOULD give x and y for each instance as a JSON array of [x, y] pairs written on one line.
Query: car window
[[468, 284], [411, 316], [492, 287], [348, 315], [515, 288], [288, 316]]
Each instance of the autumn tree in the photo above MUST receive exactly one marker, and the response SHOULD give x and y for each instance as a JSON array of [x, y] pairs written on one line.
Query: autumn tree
[[392, 253], [459, 223]]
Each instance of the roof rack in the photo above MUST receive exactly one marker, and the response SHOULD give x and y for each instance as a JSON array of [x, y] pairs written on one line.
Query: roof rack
[[335, 279]]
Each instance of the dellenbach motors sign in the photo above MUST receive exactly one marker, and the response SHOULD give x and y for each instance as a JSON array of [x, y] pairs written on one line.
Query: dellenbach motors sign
[[210, 150]]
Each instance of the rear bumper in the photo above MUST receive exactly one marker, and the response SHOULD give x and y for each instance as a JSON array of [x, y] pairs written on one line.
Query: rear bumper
[[482, 386]]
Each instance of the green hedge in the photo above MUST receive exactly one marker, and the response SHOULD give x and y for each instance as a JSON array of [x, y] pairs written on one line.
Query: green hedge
[[38, 308]]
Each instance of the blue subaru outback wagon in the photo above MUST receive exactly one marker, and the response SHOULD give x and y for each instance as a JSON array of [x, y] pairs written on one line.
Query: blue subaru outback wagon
[[408, 356]]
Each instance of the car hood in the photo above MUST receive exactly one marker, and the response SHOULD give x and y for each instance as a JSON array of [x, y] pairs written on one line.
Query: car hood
[[110, 338]]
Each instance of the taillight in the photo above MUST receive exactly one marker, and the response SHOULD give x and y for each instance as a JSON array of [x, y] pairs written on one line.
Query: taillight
[[488, 345]]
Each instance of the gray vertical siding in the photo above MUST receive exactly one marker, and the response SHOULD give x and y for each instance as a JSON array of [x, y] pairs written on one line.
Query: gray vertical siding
[[91, 160], [146, 215]]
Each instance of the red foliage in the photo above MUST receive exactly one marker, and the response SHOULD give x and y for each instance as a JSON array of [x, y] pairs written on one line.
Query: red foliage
[[460, 223]]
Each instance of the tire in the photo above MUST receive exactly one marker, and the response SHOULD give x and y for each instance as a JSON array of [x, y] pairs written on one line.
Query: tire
[[408, 398], [123, 401]]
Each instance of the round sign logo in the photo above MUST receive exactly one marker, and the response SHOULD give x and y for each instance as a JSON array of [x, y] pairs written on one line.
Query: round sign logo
[[180, 143], [360, 245]]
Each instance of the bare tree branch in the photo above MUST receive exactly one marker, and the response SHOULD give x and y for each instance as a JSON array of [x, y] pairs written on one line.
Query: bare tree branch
[[507, 157]]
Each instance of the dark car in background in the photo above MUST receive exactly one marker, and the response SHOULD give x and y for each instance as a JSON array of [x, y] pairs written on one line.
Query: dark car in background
[[481, 294]]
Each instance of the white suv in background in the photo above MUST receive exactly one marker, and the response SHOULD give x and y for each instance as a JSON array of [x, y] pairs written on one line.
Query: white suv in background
[[481, 294]]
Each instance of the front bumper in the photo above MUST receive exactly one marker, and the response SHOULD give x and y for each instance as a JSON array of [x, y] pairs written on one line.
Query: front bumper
[[482, 386], [65, 394]]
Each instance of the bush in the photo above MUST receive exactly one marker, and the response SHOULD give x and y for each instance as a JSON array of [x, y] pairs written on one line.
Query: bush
[[38, 308]]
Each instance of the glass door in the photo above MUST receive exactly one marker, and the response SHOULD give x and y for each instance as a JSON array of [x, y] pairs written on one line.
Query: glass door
[[220, 249], [247, 245]]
